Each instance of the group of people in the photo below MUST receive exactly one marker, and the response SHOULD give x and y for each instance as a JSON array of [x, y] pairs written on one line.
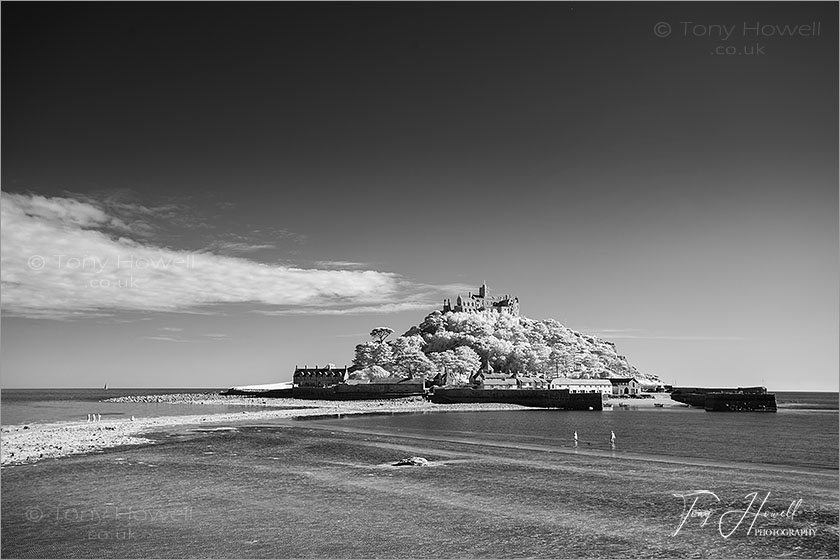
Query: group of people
[[96, 417], [612, 438]]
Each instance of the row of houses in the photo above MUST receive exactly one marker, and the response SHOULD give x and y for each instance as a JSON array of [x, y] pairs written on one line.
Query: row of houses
[[614, 386], [330, 375]]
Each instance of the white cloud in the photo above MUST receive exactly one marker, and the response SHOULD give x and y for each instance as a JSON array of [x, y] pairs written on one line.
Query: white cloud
[[383, 308], [63, 258], [164, 338], [640, 334]]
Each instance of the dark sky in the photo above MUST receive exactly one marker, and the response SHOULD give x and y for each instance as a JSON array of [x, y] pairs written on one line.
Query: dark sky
[[616, 180]]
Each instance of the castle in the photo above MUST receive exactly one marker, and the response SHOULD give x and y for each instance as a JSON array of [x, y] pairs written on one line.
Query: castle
[[475, 303]]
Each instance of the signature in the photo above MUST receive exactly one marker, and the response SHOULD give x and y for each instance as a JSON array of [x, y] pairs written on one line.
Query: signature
[[730, 520]]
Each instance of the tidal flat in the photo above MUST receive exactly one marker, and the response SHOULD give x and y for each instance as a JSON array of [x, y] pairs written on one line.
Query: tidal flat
[[295, 489]]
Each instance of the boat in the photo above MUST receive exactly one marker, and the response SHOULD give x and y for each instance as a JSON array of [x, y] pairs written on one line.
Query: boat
[[722, 399], [623, 405], [658, 404]]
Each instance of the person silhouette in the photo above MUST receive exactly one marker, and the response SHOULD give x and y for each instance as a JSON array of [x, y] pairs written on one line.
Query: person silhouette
[[612, 438]]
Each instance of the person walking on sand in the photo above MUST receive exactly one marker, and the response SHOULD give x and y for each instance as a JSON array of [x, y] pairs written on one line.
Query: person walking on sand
[[576, 439], [99, 418], [612, 438], [88, 417]]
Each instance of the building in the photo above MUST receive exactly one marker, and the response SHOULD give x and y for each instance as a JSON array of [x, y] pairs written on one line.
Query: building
[[482, 301], [602, 386], [498, 382], [625, 386], [327, 376], [531, 382]]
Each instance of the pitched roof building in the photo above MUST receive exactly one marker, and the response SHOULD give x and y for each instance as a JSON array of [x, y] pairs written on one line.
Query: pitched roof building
[[603, 386], [319, 377]]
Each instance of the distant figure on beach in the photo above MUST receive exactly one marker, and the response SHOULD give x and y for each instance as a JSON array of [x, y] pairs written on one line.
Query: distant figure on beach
[[576, 439], [132, 418], [89, 419], [612, 438], [99, 418]]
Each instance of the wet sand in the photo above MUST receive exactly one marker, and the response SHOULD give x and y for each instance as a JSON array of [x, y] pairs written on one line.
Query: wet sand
[[285, 488]]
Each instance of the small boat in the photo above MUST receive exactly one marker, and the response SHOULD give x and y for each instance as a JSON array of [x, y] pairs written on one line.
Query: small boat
[[658, 404], [623, 405]]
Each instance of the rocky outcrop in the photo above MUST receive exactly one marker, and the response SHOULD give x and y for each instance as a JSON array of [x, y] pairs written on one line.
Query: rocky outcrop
[[412, 462]]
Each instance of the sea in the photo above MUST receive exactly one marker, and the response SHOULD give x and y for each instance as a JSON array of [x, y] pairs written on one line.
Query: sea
[[792, 437], [325, 487], [41, 406], [804, 431]]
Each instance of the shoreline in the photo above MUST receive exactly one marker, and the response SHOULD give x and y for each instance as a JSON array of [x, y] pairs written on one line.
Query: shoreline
[[29, 443]]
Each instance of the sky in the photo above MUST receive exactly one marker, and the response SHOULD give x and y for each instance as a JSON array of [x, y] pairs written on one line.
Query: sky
[[209, 194]]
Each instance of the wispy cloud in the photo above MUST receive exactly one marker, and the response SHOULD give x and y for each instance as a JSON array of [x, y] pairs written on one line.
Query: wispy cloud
[[383, 308], [162, 338], [64, 258], [610, 334], [238, 247], [170, 329], [340, 264]]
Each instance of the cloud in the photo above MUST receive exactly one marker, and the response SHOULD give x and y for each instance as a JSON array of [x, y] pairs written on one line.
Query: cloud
[[640, 334], [340, 264], [383, 308], [238, 247], [161, 338], [64, 258]]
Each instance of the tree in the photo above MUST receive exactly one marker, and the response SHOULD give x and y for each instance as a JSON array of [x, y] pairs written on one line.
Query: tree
[[379, 334], [408, 358], [373, 354]]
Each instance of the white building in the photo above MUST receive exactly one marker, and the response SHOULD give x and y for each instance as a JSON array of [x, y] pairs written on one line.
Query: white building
[[625, 386], [603, 386]]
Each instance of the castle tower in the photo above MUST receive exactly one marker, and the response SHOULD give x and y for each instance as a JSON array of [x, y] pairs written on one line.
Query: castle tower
[[482, 291]]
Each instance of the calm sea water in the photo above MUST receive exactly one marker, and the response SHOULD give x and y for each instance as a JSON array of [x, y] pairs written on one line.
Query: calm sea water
[[271, 488], [805, 435], [28, 406]]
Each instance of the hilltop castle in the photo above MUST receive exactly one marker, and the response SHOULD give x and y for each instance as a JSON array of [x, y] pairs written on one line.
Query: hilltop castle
[[475, 303]]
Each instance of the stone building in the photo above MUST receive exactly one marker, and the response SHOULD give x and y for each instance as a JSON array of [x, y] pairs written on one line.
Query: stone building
[[498, 382], [531, 382], [327, 376], [625, 386], [482, 301]]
